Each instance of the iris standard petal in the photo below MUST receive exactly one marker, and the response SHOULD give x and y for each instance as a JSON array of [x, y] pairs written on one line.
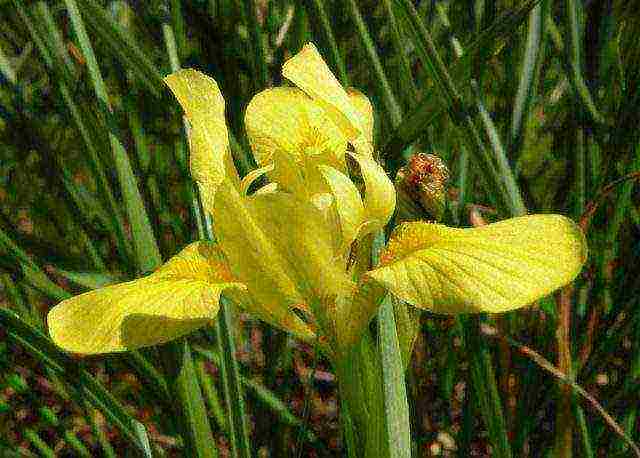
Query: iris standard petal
[[348, 206], [286, 120], [380, 194], [495, 268], [181, 296], [288, 129], [308, 71], [203, 105]]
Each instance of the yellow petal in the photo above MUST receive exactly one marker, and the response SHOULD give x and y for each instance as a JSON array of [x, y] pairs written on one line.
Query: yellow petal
[[299, 232], [252, 176], [380, 194], [348, 203], [284, 119], [288, 129], [364, 143], [178, 298], [495, 268], [203, 105], [354, 312], [257, 260], [308, 71]]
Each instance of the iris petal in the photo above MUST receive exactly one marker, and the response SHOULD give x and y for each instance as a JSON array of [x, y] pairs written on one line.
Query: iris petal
[[181, 296], [495, 268]]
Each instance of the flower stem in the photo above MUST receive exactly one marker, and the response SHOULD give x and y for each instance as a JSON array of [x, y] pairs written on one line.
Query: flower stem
[[359, 373]]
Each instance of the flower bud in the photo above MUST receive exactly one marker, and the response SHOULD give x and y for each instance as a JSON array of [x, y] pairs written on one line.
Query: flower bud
[[421, 188]]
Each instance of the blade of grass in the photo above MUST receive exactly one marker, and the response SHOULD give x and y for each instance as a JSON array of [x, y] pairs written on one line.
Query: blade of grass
[[329, 48], [39, 444], [183, 382], [263, 395], [392, 107], [211, 395], [490, 39], [260, 70], [41, 348], [232, 387], [583, 428], [146, 249], [517, 207], [177, 356], [97, 430], [572, 68], [529, 73], [407, 84], [117, 224], [123, 47], [486, 388], [32, 273], [395, 394]]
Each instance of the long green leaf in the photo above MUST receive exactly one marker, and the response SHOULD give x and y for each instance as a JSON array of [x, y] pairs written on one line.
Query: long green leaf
[[44, 350]]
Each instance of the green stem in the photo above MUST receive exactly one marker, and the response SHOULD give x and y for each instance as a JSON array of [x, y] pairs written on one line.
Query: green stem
[[395, 392], [359, 373]]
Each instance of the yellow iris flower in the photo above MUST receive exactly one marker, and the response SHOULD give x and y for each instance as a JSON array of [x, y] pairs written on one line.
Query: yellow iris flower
[[283, 252]]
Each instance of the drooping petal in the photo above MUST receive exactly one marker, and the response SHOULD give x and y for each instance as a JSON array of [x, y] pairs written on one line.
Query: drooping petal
[[203, 105], [256, 258], [178, 298], [495, 268], [380, 194], [308, 71]]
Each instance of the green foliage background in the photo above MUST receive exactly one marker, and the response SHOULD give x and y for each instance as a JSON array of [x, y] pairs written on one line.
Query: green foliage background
[[534, 106]]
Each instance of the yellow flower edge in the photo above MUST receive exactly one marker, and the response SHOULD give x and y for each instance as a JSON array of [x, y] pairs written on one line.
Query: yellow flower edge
[[210, 158], [180, 297], [494, 268]]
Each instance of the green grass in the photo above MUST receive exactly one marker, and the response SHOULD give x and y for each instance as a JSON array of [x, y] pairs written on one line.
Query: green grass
[[533, 106]]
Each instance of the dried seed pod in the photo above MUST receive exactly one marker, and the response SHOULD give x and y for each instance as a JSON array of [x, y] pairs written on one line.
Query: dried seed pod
[[421, 188]]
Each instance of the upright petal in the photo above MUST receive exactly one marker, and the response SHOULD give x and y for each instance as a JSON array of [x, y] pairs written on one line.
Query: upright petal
[[364, 143], [203, 105], [285, 120], [181, 296], [348, 205], [289, 130], [380, 194], [308, 71], [495, 268]]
